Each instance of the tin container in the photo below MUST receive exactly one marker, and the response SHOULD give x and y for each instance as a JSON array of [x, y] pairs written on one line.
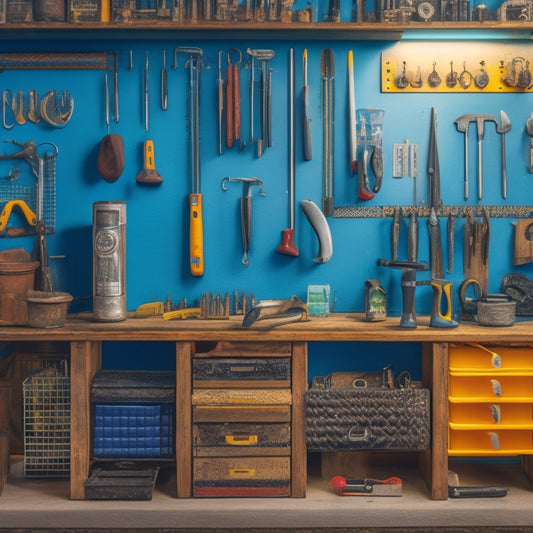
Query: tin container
[[47, 309], [109, 261]]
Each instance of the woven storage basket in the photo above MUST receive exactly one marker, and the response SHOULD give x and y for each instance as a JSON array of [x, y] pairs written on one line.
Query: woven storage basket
[[371, 418]]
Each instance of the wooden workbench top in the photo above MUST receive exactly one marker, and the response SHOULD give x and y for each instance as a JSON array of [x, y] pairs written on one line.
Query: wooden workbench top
[[336, 327]]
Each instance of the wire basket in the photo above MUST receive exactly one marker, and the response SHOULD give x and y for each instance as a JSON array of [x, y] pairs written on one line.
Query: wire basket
[[47, 423]]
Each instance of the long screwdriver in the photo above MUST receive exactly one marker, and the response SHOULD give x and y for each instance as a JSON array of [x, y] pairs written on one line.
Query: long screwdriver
[[196, 235]]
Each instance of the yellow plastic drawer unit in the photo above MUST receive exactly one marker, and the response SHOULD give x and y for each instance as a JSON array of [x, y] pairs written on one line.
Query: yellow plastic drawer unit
[[474, 389], [490, 415], [480, 359], [486, 442]]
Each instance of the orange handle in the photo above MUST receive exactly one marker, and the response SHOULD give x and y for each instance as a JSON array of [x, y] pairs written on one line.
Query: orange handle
[[196, 236], [149, 163]]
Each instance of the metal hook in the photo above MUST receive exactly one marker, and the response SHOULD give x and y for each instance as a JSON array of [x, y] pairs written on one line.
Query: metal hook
[[7, 102]]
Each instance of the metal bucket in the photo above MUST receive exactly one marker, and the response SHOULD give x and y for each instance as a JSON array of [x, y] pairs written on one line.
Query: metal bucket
[[17, 278]]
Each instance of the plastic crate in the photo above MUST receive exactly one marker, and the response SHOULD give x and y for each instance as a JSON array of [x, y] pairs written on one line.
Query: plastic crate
[[46, 397], [133, 430]]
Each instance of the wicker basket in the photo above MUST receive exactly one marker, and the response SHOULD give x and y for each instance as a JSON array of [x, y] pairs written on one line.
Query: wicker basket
[[371, 418]]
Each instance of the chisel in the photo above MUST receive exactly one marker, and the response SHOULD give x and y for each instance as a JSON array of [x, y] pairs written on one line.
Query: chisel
[[308, 150]]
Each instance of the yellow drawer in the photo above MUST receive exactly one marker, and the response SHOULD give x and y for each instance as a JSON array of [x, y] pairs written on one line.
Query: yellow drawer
[[480, 359], [483, 415], [475, 389], [483, 442]]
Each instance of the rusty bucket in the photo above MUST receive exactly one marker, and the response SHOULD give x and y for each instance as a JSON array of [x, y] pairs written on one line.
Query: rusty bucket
[[17, 277]]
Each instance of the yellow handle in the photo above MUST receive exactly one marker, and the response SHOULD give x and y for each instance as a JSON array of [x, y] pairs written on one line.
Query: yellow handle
[[190, 312], [196, 240], [249, 440], [29, 215], [149, 162], [242, 472]]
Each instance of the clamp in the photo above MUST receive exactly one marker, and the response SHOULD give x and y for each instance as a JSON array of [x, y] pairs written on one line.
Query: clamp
[[29, 215]]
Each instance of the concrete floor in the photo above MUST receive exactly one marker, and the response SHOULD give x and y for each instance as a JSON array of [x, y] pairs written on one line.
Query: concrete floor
[[37, 503]]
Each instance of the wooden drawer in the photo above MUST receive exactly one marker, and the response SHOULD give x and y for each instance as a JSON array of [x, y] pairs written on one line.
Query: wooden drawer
[[242, 476], [239, 439], [241, 397], [238, 413], [479, 359], [486, 442], [241, 372], [487, 415], [476, 389]]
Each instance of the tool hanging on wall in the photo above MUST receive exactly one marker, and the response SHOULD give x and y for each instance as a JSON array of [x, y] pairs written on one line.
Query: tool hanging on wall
[[233, 99], [146, 91], [264, 57], [220, 101], [327, 71], [369, 141], [353, 121], [287, 246], [320, 225], [196, 236], [307, 144], [164, 83], [148, 174], [502, 128], [529, 131], [405, 163], [246, 210]]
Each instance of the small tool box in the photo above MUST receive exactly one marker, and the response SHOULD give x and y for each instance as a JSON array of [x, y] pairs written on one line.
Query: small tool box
[[121, 484], [133, 414], [365, 417]]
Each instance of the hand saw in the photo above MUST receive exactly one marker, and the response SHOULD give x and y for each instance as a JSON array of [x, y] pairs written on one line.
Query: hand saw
[[391, 486]]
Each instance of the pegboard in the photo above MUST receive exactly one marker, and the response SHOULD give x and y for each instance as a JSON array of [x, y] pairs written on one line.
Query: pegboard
[[456, 67]]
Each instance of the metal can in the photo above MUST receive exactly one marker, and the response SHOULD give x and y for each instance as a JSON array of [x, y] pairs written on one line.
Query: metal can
[[109, 261]]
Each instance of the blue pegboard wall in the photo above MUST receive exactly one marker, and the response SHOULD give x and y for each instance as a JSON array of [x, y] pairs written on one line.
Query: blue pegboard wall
[[157, 217]]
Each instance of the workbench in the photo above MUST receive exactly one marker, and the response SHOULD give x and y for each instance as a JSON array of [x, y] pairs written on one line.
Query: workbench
[[86, 336]]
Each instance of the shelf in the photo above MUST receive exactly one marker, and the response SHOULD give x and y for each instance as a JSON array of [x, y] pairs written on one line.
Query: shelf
[[244, 30]]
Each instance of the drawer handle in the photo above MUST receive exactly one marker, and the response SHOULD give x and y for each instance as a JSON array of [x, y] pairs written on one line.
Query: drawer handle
[[241, 440], [494, 440], [496, 413], [242, 472], [240, 368], [496, 359], [355, 434]]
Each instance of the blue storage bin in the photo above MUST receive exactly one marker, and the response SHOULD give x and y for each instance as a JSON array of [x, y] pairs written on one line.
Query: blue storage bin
[[130, 419]]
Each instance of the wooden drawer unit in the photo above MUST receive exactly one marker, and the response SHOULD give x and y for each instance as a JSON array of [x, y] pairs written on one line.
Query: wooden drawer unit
[[241, 420], [241, 439], [490, 400], [242, 476]]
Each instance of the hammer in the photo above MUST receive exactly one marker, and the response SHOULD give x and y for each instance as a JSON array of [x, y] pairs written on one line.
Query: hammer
[[462, 124]]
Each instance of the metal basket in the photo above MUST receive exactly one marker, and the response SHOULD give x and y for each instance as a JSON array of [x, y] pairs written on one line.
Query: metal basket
[[46, 397]]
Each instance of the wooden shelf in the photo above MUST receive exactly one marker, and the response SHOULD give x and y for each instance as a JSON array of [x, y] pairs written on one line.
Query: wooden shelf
[[244, 30]]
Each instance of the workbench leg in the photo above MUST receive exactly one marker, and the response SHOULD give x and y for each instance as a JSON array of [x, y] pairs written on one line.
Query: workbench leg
[[183, 419], [434, 462], [85, 361], [298, 449], [527, 466]]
